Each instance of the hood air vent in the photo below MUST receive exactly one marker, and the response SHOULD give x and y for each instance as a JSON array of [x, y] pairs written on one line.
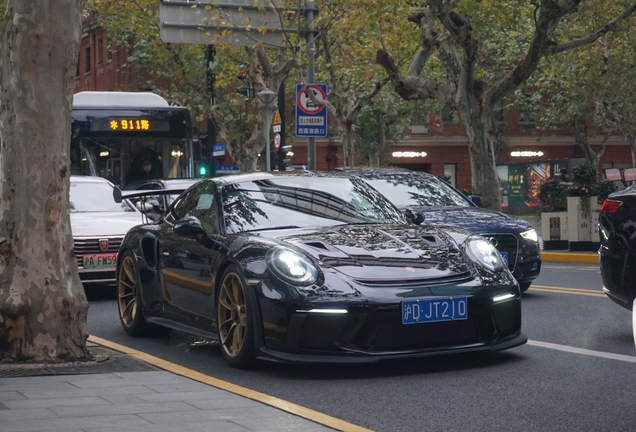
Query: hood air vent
[[432, 240], [317, 245]]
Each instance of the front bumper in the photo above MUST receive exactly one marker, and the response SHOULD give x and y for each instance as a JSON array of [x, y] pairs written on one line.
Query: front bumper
[[370, 330], [511, 341], [99, 275]]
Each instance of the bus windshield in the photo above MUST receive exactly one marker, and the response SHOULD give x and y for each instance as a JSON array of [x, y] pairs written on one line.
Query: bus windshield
[[127, 137]]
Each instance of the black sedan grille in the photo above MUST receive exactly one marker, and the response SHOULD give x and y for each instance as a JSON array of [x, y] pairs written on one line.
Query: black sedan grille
[[90, 246], [505, 243]]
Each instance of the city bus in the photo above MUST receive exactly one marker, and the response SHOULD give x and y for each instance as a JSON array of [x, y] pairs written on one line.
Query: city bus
[[129, 137]]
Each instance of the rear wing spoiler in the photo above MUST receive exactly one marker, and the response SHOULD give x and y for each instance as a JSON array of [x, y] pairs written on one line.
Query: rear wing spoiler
[[121, 195], [624, 176]]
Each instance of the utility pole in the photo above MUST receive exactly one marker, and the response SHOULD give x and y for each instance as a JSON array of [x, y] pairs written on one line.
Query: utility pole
[[210, 54], [310, 9]]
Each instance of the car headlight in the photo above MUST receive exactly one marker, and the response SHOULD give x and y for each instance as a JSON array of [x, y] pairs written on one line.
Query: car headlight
[[530, 235], [484, 253], [292, 267]]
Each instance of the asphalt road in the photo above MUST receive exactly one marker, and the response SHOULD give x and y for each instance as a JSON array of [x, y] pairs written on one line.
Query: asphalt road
[[530, 388]]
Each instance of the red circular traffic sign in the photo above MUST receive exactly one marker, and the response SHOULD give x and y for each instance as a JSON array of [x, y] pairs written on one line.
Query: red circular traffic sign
[[305, 103], [277, 141]]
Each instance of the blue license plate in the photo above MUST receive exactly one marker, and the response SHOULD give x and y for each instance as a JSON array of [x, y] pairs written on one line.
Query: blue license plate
[[434, 310], [504, 255]]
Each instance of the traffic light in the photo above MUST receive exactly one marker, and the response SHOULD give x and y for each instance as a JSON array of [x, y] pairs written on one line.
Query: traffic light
[[203, 170], [287, 154], [246, 92]]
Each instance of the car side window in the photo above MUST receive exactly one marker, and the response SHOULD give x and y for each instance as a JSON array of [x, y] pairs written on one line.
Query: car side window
[[185, 204], [200, 203]]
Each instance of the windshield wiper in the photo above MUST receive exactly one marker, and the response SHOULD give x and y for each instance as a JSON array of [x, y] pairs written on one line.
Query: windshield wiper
[[274, 228]]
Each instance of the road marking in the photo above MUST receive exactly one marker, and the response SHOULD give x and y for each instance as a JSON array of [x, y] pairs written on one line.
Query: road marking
[[562, 290], [565, 267], [583, 351], [280, 404]]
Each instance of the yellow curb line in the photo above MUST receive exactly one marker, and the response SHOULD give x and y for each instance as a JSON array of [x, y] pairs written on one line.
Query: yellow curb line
[[280, 404], [568, 257], [581, 290], [555, 290]]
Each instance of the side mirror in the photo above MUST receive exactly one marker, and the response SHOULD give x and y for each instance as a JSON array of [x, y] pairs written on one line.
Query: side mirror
[[476, 199], [415, 217], [189, 226], [143, 207]]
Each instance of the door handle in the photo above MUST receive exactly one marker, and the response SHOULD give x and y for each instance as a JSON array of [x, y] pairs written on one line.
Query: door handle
[[165, 253]]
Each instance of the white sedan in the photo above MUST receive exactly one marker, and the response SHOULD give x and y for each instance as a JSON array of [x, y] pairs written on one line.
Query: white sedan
[[99, 225]]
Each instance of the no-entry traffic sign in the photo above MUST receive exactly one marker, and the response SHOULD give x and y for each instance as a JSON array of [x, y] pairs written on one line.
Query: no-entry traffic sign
[[311, 118]]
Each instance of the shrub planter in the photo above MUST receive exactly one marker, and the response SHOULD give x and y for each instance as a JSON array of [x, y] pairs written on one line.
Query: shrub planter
[[554, 230], [582, 225]]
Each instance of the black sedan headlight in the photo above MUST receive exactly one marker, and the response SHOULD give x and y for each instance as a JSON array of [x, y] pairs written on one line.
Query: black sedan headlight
[[483, 252], [292, 267]]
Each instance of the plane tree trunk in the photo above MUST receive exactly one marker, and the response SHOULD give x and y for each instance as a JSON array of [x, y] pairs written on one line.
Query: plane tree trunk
[[42, 302]]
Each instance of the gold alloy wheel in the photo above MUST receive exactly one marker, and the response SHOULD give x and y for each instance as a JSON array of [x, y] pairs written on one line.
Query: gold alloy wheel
[[127, 292], [232, 316]]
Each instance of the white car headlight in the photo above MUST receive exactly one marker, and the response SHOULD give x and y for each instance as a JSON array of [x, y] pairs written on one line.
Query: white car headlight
[[292, 267], [483, 252], [530, 235]]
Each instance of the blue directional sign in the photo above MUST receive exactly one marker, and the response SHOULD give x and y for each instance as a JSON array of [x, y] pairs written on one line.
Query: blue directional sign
[[311, 119], [218, 149]]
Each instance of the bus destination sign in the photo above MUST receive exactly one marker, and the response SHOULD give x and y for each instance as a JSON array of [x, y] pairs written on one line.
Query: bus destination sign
[[119, 124]]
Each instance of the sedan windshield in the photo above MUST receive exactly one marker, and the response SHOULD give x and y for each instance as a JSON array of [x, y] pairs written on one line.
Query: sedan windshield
[[95, 197], [300, 202], [418, 190]]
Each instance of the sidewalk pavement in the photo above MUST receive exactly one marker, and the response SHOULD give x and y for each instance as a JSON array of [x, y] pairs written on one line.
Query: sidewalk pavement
[[125, 394]]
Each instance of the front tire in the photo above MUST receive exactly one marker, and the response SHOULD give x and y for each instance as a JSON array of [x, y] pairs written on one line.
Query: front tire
[[129, 297], [235, 320]]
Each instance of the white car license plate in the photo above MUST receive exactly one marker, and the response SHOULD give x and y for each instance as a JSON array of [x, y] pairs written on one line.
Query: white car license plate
[[434, 310], [100, 260]]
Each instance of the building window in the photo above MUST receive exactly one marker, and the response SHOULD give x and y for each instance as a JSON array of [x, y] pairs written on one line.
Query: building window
[[497, 112], [100, 50], [109, 53], [77, 70], [526, 110], [449, 173], [88, 60], [448, 115]]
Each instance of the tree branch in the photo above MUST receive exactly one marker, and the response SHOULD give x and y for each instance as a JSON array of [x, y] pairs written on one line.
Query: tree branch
[[409, 87], [556, 49]]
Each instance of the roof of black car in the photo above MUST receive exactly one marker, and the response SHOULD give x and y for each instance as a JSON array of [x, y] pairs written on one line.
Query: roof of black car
[[379, 171]]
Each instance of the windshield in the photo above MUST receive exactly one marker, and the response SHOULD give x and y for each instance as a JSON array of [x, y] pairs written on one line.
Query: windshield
[[418, 190], [95, 197], [304, 202]]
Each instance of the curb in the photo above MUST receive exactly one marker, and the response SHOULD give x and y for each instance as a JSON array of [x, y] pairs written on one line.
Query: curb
[[569, 257]]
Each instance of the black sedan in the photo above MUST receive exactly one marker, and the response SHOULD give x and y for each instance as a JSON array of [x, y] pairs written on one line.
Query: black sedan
[[299, 268], [441, 204], [617, 254]]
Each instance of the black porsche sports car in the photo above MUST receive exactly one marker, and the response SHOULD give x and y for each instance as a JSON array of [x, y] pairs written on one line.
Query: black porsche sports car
[[299, 268], [442, 204]]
